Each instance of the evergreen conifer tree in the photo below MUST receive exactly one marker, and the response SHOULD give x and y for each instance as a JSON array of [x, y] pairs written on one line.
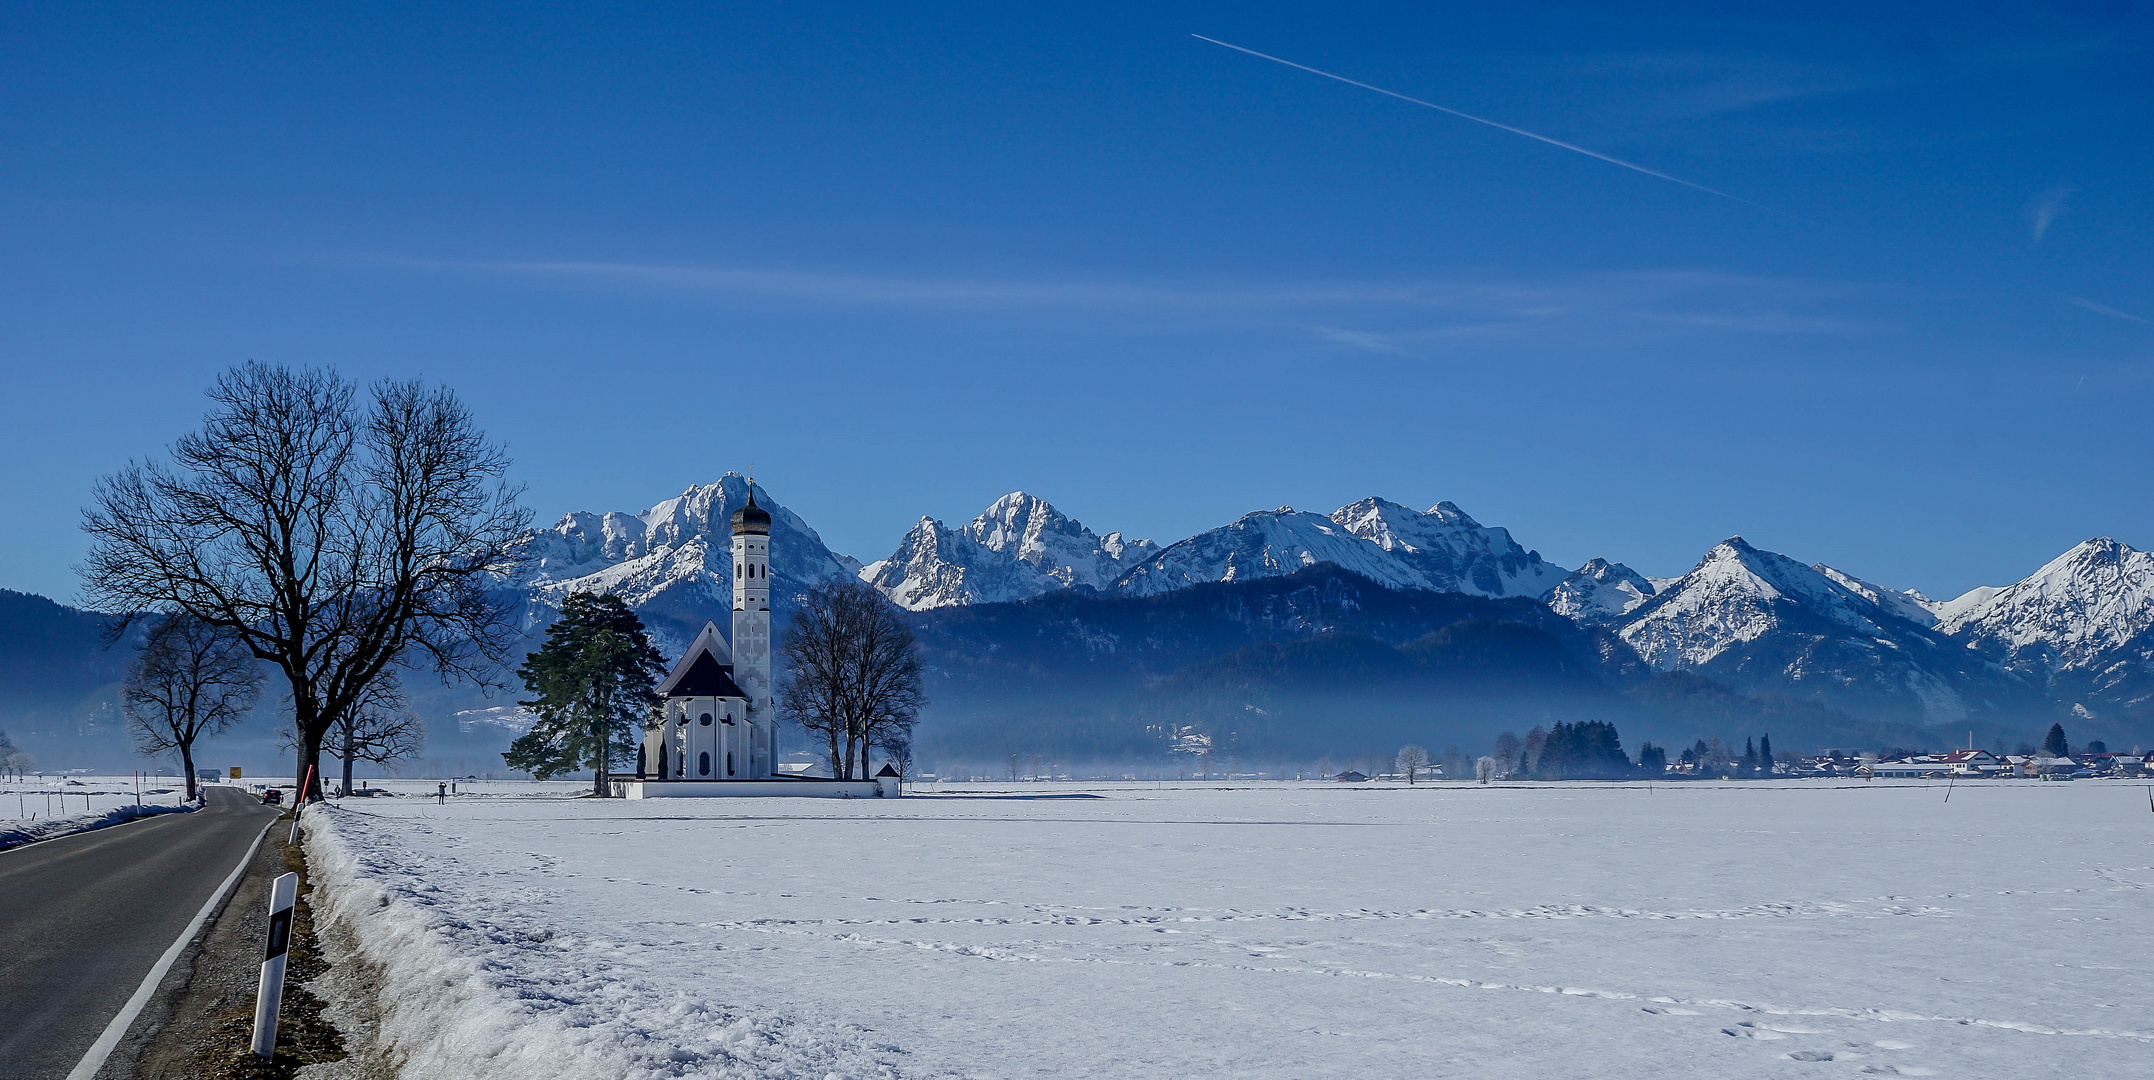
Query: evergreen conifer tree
[[1750, 757], [595, 680], [1765, 753], [1652, 760], [2056, 745]]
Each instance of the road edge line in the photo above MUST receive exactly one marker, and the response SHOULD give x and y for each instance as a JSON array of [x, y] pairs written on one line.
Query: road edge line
[[86, 1069]]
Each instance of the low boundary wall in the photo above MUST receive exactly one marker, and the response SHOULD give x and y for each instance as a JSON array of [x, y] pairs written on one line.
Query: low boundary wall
[[787, 787]]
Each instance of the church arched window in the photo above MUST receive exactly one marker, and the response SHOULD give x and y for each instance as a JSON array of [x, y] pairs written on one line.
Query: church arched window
[[729, 763], [703, 764]]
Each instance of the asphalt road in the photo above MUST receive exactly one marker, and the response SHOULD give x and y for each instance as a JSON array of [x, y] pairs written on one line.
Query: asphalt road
[[83, 918]]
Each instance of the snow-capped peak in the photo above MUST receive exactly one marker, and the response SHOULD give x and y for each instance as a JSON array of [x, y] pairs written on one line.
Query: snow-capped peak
[[1442, 550], [1448, 550], [1759, 620], [1599, 592], [2085, 604], [1019, 547], [674, 561], [1951, 611], [1731, 597], [1261, 544]]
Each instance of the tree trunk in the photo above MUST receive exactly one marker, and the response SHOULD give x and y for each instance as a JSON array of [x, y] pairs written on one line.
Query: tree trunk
[[601, 746], [834, 759], [310, 764], [350, 747], [186, 750], [308, 772]]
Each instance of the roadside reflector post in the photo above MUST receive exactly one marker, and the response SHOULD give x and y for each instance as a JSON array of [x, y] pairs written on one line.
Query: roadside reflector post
[[283, 893]]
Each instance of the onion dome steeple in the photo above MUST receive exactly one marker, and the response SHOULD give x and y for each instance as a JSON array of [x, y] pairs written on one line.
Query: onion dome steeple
[[751, 519]]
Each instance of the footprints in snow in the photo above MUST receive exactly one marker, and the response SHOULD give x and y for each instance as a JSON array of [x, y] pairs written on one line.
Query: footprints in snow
[[1850, 1052]]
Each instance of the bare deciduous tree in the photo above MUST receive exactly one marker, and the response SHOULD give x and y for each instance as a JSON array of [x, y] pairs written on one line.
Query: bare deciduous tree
[[334, 537], [1412, 759], [1508, 750], [852, 673], [13, 762], [381, 728], [190, 680]]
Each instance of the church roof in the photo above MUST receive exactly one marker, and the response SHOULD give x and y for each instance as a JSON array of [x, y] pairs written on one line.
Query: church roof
[[705, 670], [704, 678], [887, 771]]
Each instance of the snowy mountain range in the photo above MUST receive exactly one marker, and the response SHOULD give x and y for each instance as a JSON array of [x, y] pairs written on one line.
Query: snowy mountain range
[[2076, 637], [2074, 641], [1021, 547]]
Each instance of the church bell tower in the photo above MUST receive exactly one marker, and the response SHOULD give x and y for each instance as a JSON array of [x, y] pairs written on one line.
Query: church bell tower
[[751, 630]]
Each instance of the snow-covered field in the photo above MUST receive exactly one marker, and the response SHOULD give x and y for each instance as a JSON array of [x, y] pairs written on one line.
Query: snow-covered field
[[43, 798], [37, 808], [1280, 930]]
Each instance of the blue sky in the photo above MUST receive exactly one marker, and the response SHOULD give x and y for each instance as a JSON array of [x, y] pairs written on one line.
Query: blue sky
[[909, 260]]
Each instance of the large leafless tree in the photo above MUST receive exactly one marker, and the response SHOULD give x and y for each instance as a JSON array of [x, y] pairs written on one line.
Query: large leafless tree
[[336, 535], [190, 681], [852, 673]]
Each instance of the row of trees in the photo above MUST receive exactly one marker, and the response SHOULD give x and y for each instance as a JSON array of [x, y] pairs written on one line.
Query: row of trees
[[193, 681], [13, 762], [336, 538], [1593, 749]]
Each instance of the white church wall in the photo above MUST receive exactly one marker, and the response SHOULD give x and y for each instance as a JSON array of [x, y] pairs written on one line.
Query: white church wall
[[734, 789]]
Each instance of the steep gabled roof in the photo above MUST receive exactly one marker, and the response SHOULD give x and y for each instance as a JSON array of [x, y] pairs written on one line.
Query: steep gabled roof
[[705, 670], [705, 678]]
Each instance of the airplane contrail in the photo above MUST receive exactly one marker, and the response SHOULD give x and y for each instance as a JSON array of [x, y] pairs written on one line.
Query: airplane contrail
[[1595, 154], [2105, 310]]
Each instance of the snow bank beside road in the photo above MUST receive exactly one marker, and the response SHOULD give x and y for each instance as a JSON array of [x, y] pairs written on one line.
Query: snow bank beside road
[[476, 981], [18, 833]]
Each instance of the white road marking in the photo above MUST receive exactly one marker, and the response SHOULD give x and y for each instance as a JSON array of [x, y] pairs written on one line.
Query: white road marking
[[87, 1068]]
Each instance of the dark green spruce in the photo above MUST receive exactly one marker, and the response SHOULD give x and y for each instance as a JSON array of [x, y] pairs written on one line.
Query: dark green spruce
[[2056, 745], [592, 683]]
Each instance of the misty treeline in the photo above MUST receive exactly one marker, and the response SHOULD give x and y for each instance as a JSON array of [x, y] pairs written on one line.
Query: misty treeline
[[1290, 673]]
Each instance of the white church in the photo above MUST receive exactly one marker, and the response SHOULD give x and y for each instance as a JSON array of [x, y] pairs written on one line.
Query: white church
[[718, 732]]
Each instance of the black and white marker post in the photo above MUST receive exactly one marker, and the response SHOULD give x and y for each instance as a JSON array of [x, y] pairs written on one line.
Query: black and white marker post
[[282, 894]]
